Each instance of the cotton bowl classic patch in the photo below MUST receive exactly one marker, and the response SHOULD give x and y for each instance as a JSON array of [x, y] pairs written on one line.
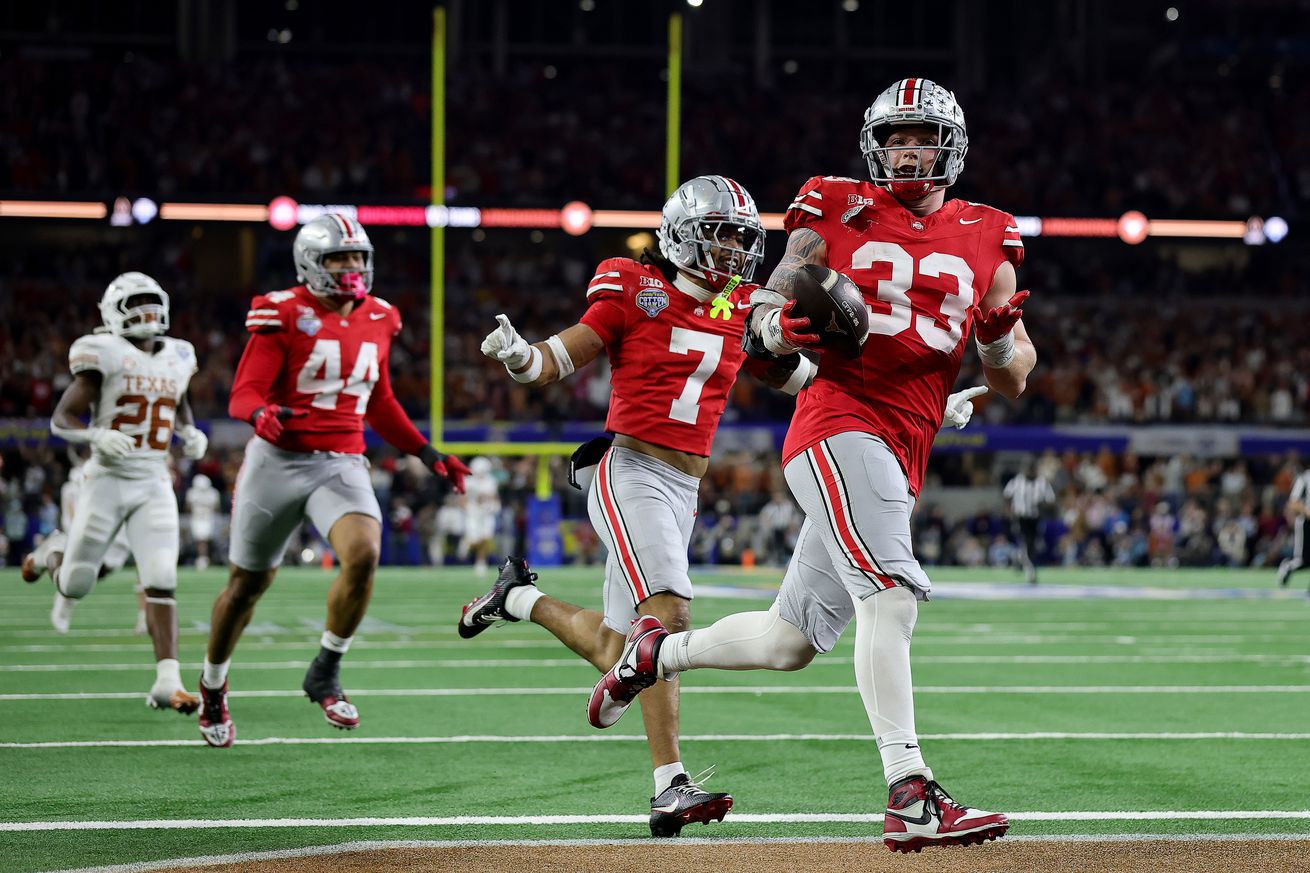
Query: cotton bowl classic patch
[[652, 301]]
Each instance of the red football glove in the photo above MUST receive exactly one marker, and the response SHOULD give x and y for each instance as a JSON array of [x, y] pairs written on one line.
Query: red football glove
[[268, 420], [796, 331], [445, 466], [999, 321]]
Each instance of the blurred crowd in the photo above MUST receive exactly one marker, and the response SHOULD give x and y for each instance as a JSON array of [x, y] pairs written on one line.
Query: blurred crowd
[[1109, 510], [153, 125]]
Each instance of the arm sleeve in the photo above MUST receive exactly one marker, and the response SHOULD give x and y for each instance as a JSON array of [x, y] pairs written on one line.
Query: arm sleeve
[[809, 208], [260, 363], [386, 416]]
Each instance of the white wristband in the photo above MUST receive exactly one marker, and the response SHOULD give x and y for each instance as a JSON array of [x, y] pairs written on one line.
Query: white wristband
[[771, 334], [561, 356], [800, 377], [533, 370], [997, 355]]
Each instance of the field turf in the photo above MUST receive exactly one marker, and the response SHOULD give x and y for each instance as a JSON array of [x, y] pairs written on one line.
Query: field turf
[[1105, 702]]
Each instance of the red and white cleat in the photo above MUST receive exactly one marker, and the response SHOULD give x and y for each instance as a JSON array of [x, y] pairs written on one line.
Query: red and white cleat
[[637, 669], [920, 814], [322, 686], [215, 722]]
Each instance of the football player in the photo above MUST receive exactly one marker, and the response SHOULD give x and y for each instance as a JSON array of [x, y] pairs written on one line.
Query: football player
[[131, 380], [1296, 511], [481, 506], [313, 372], [202, 502], [931, 270], [672, 326]]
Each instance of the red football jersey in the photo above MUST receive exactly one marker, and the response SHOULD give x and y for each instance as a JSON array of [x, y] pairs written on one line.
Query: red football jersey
[[330, 367], [674, 353], [919, 277]]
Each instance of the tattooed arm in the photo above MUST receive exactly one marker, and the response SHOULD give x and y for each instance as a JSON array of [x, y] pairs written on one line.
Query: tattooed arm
[[804, 246], [765, 326]]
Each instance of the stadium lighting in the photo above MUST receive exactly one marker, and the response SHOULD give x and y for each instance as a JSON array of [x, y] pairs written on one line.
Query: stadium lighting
[[695, 4], [1133, 227], [144, 210], [1171, 14], [1275, 229]]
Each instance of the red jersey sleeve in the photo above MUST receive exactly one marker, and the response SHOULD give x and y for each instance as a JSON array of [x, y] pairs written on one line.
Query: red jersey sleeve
[[388, 418], [605, 292], [1011, 242], [266, 315], [263, 359]]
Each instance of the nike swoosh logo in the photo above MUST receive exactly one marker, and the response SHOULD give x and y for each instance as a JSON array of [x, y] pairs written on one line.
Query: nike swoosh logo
[[745, 305], [376, 315], [970, 221], [670, 808], [922, 819]]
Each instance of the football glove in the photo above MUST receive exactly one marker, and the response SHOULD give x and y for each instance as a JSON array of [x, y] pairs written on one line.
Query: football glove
[[959, 407], [268, 420], [112, 444], [194, 441], [446, 466], [998, 322], [784, 332], [505, 345]]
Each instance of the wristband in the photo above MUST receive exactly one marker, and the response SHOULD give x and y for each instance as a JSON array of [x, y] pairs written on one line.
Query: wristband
[[533, 370], [800, 377], [997, 355], [561, 356], [771, 333]]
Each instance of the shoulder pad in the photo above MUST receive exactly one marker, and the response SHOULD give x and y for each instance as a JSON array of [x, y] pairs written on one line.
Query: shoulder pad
[[266, 315], [614, 276], [391, 311], [93, 352], [1011, 242], [821, 199]]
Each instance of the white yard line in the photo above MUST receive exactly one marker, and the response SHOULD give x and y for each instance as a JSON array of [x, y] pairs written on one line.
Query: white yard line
[[719, 689], [513, 739], [530, 663], [382, 845], [501, 820]]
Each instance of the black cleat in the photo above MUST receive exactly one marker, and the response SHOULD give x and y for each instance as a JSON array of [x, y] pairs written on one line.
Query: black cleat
[[323, 687], [684, 802], [488, 609]]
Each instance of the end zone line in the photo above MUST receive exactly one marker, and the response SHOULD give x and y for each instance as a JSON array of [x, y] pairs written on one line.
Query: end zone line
[[381, 845], [754, 690], [635, 738], [743, 818]]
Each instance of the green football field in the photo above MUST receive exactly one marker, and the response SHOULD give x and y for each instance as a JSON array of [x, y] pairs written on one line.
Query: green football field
[[1103, 702]]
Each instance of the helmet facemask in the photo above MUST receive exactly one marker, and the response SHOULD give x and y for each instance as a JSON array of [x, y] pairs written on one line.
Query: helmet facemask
[[923, 181], [327, 235], [352, 282], [724, 249]]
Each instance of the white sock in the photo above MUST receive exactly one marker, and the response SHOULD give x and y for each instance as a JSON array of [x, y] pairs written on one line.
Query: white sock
[[334, 643], [520, 600], [167, 670], [214, 675], [742, 641], [64, 604], [664, 776], [884, 623]]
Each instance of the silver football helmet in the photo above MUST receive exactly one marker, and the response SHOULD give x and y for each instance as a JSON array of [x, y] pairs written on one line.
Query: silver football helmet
[[922, 103], [711, 229], [328, 234], [124, 312]]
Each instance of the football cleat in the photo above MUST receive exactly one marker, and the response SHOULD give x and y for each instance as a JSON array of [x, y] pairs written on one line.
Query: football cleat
[[167, 695], [920, 815], [637, 669], [685, 802], [488, 609], [35, 562], [324, 688], [215, 723]]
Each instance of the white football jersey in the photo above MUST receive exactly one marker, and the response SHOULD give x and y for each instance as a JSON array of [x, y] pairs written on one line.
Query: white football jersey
[[482, 495], [139, 394]]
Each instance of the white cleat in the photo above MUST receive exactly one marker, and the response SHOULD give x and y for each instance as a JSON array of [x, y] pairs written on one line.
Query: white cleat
[[141, 628], [171, 695], [34, 564]]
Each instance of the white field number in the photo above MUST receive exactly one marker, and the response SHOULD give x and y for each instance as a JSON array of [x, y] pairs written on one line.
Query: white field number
[[321, 375], [894, 291], [686, 407]]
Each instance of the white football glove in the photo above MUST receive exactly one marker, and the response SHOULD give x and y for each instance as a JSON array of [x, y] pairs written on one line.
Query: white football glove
[[959, 407], [112, 444], [194, 441], [505, 345]]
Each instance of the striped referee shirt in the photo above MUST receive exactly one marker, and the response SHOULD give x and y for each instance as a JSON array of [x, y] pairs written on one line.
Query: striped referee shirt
[[1300, 488], [1027, 494]]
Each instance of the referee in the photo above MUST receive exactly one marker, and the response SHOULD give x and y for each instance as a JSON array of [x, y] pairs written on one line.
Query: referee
[[1027, 494], [1296, 511]]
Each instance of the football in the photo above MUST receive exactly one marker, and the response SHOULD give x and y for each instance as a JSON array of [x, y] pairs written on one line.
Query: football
[[835, 307]]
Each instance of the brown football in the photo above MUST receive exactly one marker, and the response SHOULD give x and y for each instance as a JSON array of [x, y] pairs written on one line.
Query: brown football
[[835, 308]]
